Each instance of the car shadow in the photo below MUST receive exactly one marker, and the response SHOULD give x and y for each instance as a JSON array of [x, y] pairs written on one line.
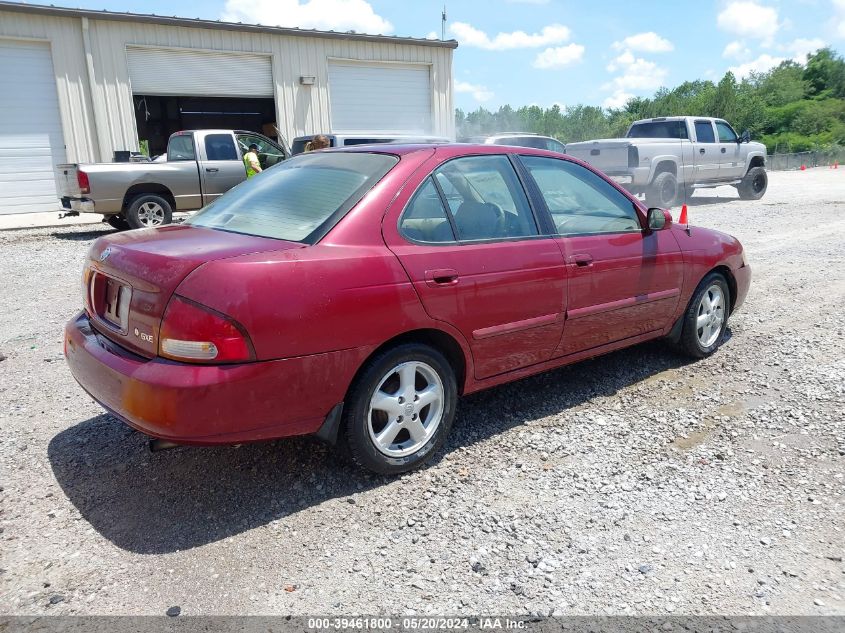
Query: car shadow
[[187, 497], [700, 201], [85, 236]]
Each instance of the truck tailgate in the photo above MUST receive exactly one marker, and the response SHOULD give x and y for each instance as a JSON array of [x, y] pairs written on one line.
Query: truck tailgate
[[606, 155], [68, 185]]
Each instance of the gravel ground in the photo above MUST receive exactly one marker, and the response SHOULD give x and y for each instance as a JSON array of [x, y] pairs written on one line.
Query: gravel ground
[[636, 483]]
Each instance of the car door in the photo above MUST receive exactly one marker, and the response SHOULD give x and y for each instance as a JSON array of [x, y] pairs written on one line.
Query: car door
[[269, 153], [731, 163], [472, 247], [706, 152], [221, 166], [623, 282]]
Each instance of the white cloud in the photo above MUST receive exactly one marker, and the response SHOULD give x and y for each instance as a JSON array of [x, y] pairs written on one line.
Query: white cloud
[[649, 42], [468, 35], [736, 50], [636, 74], [839, 17], [432, 35], [802, 47], [478, 92], [329, 15], [559, 57], [617, 100], [761, 64], [749, 19]]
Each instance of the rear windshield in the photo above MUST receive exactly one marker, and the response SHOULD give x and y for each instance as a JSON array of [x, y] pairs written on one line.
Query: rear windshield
[[659, 129], [298, 200]]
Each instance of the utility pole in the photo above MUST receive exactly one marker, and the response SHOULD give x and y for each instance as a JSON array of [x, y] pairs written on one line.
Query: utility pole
[[443, 24]]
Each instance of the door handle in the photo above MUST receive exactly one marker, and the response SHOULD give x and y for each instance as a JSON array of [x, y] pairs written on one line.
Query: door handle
[[581, 259], [724, 150], [441, 277], [701, 151], [211, 169]]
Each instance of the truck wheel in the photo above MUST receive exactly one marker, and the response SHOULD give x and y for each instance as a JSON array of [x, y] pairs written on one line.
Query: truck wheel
[[754, 185], [118, 222], [148, 210], [663, 191]]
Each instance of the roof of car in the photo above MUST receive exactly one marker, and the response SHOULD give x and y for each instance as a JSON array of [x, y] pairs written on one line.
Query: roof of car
[[448, 149]]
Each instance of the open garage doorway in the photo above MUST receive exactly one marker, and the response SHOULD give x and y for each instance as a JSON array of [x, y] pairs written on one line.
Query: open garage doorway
[[158, 117]]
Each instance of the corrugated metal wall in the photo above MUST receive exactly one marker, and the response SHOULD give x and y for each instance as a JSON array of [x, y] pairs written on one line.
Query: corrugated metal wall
[[300, 109]]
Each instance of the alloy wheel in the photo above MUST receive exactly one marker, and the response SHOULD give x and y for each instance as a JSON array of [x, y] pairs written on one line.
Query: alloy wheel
[[151, 214], [406, 409], [711, 316]]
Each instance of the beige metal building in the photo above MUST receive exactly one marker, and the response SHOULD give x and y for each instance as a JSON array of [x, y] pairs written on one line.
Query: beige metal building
[[77, 85]]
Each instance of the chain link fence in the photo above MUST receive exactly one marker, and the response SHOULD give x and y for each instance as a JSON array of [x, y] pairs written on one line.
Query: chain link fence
[[818, 158]]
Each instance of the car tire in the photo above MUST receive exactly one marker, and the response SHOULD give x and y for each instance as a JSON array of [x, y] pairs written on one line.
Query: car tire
[[706, 317], [148, 210], [400, 409], [117, 222], [754, 184], [663, 191]]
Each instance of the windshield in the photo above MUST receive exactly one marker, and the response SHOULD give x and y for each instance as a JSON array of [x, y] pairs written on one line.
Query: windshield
[[298, 200], [659, 129]]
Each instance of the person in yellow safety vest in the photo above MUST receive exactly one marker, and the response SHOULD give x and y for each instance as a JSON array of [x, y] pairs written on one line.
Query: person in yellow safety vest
[[251, 163]]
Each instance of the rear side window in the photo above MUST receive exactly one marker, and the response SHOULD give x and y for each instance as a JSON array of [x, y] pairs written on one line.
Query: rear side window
[[300, 199], [579, 201], [704, 132], [181, 147], [220, 147], [425, 219], [486, 197]]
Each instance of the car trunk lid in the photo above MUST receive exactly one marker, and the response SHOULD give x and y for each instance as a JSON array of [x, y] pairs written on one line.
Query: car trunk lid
[[130, 277]]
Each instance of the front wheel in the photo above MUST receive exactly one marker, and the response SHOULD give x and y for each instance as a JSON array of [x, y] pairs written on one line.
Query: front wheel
[[148, 210], [706, 317], [663, 191], [400, 409], [754, 185]]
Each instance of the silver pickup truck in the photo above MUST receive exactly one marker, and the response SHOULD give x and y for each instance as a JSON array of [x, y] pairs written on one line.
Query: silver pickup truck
[[667, 158], [201, 165]]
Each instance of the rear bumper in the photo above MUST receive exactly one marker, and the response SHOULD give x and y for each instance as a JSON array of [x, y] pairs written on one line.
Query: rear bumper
[[80, 205], [204, 405]]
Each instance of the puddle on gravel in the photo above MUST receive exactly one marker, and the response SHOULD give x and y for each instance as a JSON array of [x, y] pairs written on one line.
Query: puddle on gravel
[[733, 409]]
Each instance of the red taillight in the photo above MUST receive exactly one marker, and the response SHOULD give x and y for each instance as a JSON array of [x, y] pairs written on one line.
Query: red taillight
[[193, 333], [82, 181]]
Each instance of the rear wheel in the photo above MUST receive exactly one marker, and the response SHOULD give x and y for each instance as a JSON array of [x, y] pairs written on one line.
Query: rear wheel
[[148, 210], [400, 409], [706, 317], [754, 185], [663, 191]]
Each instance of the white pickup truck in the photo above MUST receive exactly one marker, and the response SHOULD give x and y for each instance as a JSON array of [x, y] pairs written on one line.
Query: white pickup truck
[[667, 158]]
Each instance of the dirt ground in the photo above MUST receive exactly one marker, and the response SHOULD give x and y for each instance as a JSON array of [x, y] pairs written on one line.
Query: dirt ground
[[636, 483]]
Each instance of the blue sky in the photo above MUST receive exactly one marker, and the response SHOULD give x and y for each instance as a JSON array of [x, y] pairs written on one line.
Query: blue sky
[[544, 52]]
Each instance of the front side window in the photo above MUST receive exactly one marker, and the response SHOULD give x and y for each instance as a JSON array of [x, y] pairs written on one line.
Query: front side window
[[486, 198], [425, 219], [704, 132], [220, 147], [181, 147], [579, 201], [268, 153], [300, 200], [726, 133]]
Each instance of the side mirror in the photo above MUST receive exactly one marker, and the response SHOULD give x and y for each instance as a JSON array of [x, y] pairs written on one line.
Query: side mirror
[[658, 219], [745, 137]]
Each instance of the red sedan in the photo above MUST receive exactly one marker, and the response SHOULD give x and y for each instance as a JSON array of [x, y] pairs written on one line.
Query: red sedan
[[358, 293]]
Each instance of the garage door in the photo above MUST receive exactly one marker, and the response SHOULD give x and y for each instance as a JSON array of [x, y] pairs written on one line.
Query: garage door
[[389, 98], [183, 73], [31, 140]]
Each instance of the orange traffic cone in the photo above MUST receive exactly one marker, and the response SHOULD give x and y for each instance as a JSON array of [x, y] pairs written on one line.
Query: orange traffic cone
[[836, 165], [803, 167], [683, 218]]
